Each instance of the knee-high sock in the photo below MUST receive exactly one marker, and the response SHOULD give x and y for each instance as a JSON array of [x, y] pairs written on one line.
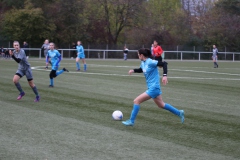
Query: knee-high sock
[[78, 65], [19, 87], [59, 72], [134, 113], [85, 67], [171, 109], [35, 90], [51, 81]]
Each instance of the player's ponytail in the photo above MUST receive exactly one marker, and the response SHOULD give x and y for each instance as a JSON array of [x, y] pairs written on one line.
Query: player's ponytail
[[146, 52]]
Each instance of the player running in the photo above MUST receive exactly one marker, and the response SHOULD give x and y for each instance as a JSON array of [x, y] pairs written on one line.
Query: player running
[[80, 55], [157, 51], [55, 59], [150, 71], [23, 69]]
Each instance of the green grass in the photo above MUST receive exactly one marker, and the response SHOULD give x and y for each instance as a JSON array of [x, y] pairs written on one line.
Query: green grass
[[73, 119]]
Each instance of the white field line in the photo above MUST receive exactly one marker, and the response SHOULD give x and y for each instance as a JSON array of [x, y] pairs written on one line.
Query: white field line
[[139, 75], [230, 74]]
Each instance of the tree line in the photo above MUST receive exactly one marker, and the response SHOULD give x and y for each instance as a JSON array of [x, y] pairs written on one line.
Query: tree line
[[170, 22]]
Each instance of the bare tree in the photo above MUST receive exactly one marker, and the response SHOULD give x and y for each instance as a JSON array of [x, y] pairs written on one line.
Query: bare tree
[[119, 14]]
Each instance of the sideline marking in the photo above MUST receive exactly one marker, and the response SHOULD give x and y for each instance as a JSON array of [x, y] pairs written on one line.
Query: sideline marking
[[125, 75]]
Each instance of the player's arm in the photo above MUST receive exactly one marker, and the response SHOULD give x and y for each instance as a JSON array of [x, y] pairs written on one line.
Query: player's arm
[[18, 60], [59, 59], [164, 65], [47, 58], [137, 70]]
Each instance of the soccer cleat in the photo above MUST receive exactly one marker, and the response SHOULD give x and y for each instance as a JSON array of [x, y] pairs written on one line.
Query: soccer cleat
[[128, 123], [64, 69], [20, 96], [182, 116], [37, 99], [50, 86], [78, 70], [46, 67]]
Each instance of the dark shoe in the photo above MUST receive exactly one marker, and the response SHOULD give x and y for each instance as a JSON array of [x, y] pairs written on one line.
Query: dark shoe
[[64, 69], [20, 96], [37, 99], [50, 86]]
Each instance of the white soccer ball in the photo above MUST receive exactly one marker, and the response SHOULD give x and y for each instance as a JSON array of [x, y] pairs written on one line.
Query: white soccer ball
[[117, 115]]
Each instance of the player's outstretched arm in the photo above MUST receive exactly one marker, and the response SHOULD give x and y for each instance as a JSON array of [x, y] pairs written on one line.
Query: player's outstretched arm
[[130, 71], [139, 70], [18, 60]]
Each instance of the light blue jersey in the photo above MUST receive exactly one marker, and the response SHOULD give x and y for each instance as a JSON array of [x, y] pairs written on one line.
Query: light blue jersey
[[151, 73], [55, 58], [80, 51]]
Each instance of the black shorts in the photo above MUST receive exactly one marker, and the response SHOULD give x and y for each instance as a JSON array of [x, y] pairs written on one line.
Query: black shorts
[[159, 58]]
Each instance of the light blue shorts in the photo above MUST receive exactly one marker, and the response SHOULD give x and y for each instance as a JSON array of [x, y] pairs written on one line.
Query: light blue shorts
[[154, 92], [81, 56]]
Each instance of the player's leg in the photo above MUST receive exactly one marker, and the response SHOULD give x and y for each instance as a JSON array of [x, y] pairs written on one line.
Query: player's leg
[[158, 100], [84, 62], [77, 63], [29, 77], [51, 76], [136, 106], [216, 61], [16, 79], [45, 55], [61, 71]]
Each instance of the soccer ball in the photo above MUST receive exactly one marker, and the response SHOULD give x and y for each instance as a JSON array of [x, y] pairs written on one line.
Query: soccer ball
[[117, 115]]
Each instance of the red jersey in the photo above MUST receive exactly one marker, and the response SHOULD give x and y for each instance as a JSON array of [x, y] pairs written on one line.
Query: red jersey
[[157, 51]]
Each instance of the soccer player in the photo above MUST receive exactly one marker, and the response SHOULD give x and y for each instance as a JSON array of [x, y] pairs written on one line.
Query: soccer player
[[23, 69], [157, 51], [45, 48], [125, 53], [150, 71], [80, 55], [214, 56], [55, 59]]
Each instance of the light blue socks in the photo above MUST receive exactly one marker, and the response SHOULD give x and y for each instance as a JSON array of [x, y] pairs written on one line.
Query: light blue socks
[[172, 109], [78, 65], [134, 113], [51, 82], [59, 72]]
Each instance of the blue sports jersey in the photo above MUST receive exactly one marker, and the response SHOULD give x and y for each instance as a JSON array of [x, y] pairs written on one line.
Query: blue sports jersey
[[80, 50], [150, 71], [55, 58]]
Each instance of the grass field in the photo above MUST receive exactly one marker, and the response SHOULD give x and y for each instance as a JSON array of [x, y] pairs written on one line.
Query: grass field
[[73, 120]]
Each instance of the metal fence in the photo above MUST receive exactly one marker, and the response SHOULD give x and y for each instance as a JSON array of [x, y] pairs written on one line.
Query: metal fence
[[132, 54]]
